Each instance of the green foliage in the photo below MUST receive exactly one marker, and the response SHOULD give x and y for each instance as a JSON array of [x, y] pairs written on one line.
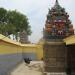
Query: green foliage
[[3, 14], [12, 22]]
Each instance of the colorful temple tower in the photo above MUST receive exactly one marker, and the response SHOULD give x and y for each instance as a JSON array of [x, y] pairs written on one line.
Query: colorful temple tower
[[58, 25]]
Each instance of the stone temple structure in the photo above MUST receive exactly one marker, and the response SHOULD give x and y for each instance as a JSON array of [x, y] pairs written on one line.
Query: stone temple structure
[[24, 37], [57, 27]]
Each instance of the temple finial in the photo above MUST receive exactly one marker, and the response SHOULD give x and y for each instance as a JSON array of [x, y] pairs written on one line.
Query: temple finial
[[57, 3], [56, 0]]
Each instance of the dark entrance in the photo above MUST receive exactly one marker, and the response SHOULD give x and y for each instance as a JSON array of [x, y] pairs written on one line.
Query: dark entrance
[[71, 60]]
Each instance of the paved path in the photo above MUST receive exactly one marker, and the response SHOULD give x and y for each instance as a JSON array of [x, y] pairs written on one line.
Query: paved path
[[34, 68]]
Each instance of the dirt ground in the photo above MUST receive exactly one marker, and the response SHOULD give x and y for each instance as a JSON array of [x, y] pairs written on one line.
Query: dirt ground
[[34, 68]]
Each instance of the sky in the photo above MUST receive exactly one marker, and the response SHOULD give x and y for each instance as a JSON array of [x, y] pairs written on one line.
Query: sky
[[36, 11]]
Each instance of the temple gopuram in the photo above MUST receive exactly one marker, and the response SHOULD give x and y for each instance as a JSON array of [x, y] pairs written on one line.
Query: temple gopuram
[[57, 27], [58, 24]]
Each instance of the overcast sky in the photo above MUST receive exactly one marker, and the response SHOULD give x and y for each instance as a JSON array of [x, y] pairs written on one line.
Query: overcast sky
[[36, 11]]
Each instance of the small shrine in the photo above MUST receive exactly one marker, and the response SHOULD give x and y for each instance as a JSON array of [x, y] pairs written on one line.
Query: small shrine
[[24, 37], [58, 24]]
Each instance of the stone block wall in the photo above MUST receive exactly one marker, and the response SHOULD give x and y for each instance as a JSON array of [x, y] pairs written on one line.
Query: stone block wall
[[54, 56]]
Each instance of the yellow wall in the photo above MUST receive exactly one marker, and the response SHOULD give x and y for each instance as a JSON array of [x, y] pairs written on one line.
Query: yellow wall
[[29, 49], [19, 49], [39, 51], [8, 48]]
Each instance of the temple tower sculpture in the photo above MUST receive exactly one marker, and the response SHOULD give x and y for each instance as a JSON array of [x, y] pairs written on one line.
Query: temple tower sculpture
[[57, 27], [24, 37]]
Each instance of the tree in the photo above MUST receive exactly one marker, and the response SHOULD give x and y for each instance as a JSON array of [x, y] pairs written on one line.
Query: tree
[[3, 14], [13, 22], [19, 21], [3, 21]]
